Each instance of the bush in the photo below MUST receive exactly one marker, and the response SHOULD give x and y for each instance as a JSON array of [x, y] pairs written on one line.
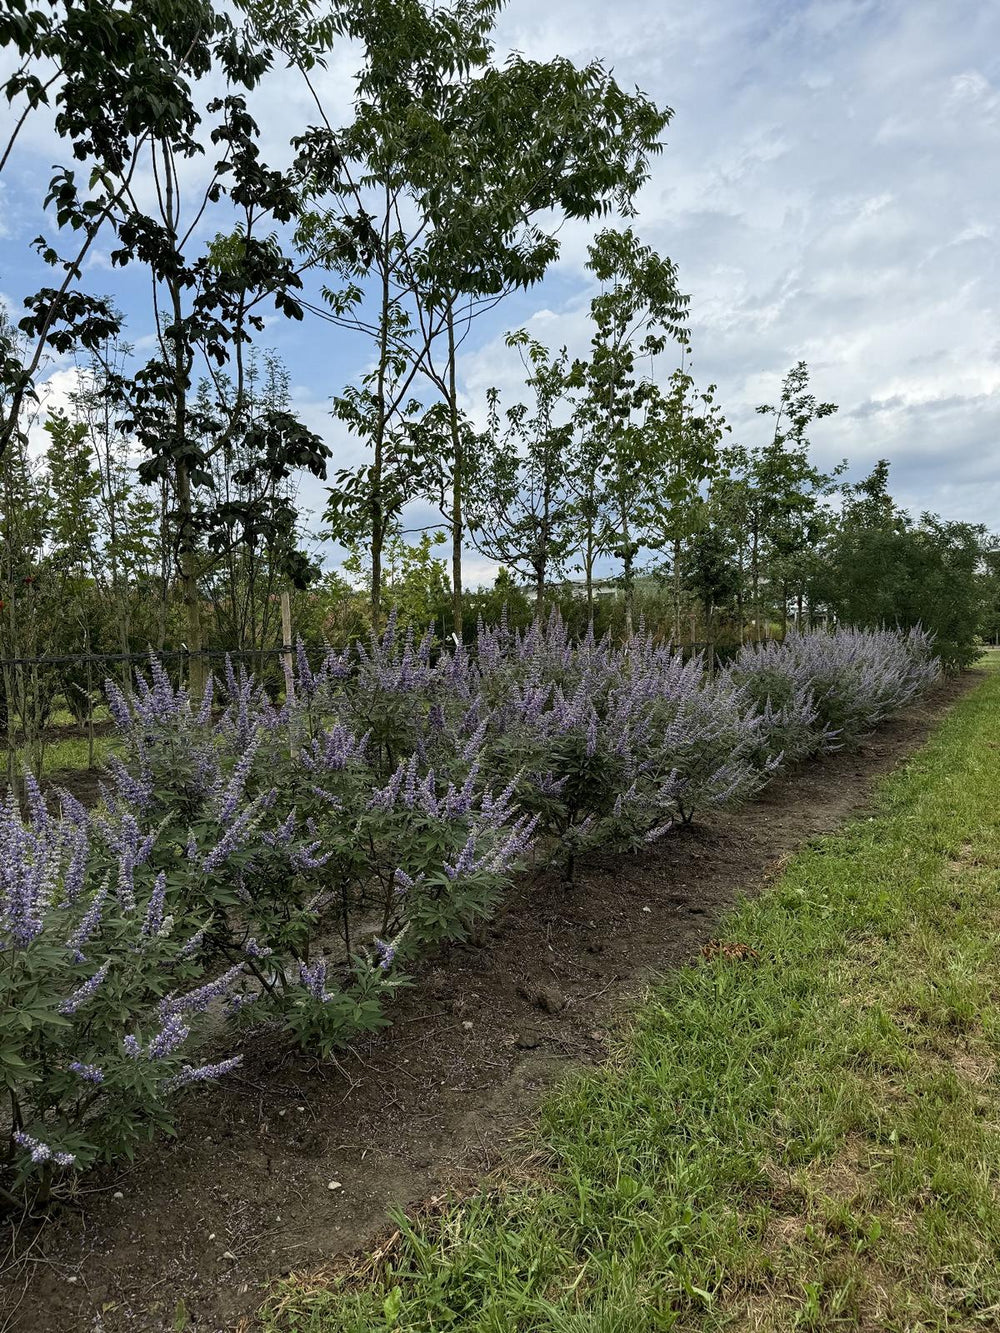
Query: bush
[[282, 863]]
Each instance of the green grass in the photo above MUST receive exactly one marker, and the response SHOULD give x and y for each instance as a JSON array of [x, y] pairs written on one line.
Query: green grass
[[805, 1140], [69, 753]]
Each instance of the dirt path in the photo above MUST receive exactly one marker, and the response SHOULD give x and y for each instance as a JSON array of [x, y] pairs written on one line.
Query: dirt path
[[294, 1161]]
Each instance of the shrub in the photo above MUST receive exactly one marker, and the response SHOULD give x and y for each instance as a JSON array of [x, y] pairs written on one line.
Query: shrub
[[282, 862]]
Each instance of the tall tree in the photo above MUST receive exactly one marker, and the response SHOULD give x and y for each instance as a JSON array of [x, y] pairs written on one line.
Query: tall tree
[[113, 78], [458, 172], [787, 491], [688, 427]]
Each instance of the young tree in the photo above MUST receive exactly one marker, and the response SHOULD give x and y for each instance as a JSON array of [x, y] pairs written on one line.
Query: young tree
[[638, 309], [786, 491], [770, 496], [208, 305], [880, 567], [689, 427], [135, 572], [113, 78], [519, 500]]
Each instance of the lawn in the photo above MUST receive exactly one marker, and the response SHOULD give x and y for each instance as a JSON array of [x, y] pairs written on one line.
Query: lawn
[[801, 1130]]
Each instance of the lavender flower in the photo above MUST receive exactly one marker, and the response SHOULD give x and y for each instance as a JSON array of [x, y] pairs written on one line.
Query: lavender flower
[[385, 951], [313, 977], [154, 911], [85, 992], [173, 1033], [188, 1075], [41, 1152], [192, 945], [197, 1001], [205, 711], [89, 923], [89, 1073], [237, 783]]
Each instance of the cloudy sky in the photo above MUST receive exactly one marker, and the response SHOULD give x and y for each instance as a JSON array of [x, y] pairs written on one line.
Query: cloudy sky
[[829, 191]]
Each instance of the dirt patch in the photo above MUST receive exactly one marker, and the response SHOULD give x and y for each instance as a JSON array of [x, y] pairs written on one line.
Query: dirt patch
[[295, 1161]]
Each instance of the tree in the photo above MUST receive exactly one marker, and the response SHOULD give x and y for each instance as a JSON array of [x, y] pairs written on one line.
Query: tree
[[786, 490], [115, 78], [637, 310], [688, 427], [454, 168], [520, 504], [880, 567], [124, 97], [771, 496], [207, 307], [134, 576]]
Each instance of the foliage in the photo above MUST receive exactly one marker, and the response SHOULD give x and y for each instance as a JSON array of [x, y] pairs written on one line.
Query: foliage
[[882, 567]]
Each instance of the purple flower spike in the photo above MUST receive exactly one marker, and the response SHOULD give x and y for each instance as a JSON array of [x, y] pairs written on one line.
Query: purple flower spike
[[89, 1073], [83, 993]]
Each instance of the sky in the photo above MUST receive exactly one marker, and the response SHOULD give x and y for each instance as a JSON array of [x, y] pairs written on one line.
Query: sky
[[829, 190]]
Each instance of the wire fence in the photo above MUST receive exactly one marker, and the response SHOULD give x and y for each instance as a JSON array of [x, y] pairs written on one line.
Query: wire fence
[[161, 654], [53, 712]]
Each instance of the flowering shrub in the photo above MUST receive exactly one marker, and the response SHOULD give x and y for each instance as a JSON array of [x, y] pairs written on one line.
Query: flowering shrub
[[850, 681], [282, 863], [101, 1001]]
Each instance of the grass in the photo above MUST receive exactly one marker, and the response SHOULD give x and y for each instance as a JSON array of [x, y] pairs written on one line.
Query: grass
[[805, 1139], [61, 753], [68, 753]]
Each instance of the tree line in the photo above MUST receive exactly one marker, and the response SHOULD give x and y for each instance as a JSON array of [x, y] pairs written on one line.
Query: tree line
[[161, 508]]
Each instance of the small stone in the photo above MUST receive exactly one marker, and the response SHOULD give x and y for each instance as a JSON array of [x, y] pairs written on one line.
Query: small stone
[[71, 1278], [527, 1041], [647, 909], [211, 1235], [467, 1025], [334, 1185], [228, 1254], [300, 1108], [118, 1195]]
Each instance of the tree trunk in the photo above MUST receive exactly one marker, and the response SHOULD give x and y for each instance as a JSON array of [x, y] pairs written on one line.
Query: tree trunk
[[676, 634], [589, 573], [457, 479], [189, 581], [378, 442], [627, 580]]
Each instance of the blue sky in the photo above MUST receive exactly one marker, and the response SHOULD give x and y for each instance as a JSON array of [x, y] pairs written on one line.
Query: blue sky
[[829, 191]]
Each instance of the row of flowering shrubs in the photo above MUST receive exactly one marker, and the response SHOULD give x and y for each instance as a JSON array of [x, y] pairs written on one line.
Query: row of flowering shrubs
[[253, 864]]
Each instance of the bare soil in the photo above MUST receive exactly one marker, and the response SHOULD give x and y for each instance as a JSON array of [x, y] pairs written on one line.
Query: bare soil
[[294, 1161]]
